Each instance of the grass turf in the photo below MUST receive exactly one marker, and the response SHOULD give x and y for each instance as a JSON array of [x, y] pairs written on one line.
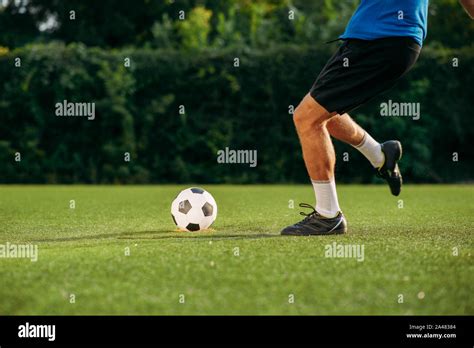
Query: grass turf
[[408, 251]]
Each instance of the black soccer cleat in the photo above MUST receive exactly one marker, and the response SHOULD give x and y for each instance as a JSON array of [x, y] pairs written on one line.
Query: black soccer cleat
[[389, 171], [315, 224]]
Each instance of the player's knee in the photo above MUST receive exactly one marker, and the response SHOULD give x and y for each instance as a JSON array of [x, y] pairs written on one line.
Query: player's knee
[[299, 116], [305, 116]]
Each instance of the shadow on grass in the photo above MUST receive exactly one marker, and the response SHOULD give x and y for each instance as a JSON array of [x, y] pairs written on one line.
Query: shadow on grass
[[98, 236], [157, 235], [198, 237]]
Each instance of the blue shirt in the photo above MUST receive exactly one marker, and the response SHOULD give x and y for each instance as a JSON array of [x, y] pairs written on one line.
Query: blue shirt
[[375, 19]]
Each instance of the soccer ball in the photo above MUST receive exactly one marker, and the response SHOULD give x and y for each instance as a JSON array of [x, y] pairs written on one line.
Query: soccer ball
[[194, 209]]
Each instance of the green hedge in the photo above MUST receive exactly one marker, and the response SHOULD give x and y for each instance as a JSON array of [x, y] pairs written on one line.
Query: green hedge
[[137, 111]]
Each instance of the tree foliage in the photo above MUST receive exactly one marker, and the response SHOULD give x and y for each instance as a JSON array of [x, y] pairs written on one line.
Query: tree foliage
[[138, 112], [75, 50]]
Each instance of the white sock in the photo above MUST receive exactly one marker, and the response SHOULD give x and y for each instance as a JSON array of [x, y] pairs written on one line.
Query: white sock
[[326, 198], [372, 150]]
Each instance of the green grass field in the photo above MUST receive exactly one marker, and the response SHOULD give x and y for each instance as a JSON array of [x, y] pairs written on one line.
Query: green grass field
[[408, 251]]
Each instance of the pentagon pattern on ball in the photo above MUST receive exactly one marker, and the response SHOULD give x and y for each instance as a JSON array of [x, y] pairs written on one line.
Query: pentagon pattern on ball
[[193, 227], [207, 209], [197, 190], [184, 206]]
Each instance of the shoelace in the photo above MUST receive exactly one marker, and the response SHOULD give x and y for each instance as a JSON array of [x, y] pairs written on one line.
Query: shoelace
[[307, 206]]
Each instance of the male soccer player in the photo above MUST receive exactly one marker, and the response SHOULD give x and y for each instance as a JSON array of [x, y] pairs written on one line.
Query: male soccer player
[[380, 44]]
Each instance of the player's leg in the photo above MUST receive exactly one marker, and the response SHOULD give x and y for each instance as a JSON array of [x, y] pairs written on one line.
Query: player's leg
[[383, 157], [310, 120], [345, 129], [318, 152], [374, 67]]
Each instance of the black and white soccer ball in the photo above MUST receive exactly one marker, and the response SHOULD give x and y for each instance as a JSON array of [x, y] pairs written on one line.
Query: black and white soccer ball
[[194, 209]]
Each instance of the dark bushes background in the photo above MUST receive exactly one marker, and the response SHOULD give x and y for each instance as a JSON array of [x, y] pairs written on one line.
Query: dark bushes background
[[137, 111]]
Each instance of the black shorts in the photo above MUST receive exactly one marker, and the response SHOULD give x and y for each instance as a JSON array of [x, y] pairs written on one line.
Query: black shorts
[[362, 69]]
